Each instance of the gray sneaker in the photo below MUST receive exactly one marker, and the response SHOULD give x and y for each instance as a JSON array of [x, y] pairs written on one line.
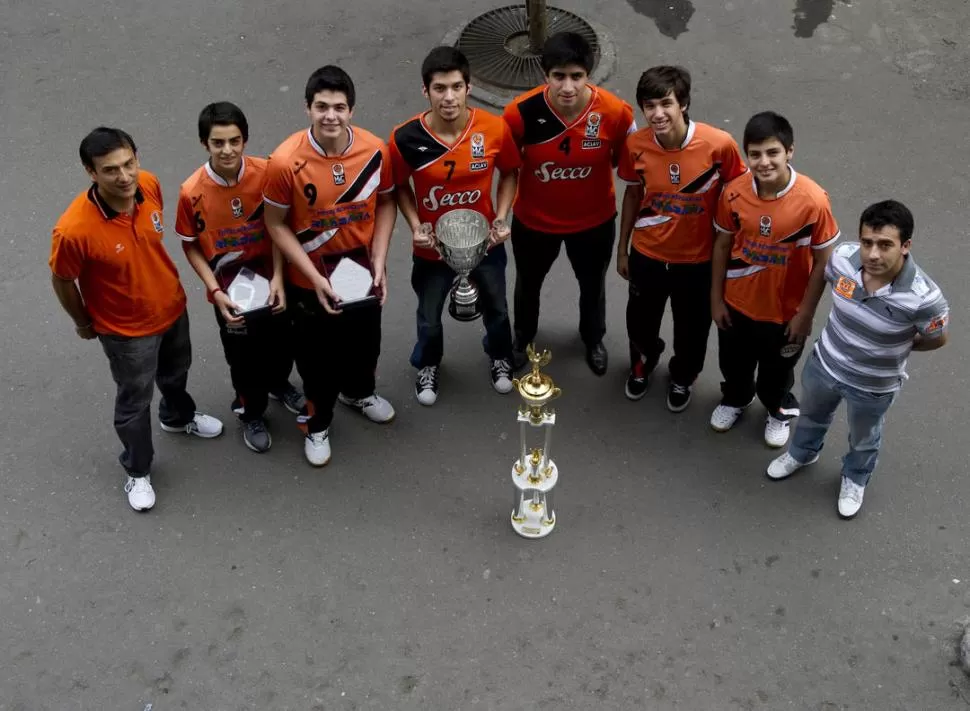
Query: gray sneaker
[[256, 436], [291, 398]]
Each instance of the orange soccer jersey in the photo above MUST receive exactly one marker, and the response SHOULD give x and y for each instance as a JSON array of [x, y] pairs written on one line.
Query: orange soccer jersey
[[771, 255], [128, 281], [681, 186], [227, 220], [332, 200], [566, 182], [447, 177]]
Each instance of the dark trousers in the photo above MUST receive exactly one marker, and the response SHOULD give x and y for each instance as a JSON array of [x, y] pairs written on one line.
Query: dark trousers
[[334, 353], [260, 357], [137, 365], [751, 345], [589, 253], [688, 286], [432, 282]]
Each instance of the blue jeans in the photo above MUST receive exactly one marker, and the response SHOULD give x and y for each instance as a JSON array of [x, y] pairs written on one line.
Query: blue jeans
[[432, 281], [821, 395]]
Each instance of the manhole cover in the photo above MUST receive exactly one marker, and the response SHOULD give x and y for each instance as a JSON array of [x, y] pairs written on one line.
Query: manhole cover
[[497, 44]]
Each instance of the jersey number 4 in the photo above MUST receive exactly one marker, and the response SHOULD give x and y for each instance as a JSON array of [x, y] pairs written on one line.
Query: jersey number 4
[[564, 145]]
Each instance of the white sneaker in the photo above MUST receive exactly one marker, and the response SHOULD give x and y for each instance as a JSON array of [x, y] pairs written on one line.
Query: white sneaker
[[316, 447], [426, 385], [141, 495], [374, 407], [202, 425], [784, 466], [850, 498], [724, 417], [500, 371], [776, 432]]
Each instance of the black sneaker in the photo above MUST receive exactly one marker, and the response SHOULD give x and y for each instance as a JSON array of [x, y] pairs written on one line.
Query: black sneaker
[[291, 398], [678, 397], [256, 436], [426, 385], [501, 372], [637, 382]]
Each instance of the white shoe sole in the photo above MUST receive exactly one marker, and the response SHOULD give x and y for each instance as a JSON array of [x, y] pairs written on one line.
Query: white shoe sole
[[632, 396], [324, 463], [790, 474], [182, 430]]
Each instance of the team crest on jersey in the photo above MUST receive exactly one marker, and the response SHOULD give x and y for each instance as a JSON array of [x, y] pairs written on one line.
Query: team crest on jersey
[[674, 170], [477, 165], [593, 125], [237, 207], [845, 287], [766, 225], [339, 178], [478, 145], [157, 220]]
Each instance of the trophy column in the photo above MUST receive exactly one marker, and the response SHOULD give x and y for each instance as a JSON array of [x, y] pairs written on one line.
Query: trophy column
[[534, 474]]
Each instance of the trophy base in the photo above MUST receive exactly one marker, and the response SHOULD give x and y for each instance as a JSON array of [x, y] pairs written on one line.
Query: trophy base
[[532, 523], [465, 312]]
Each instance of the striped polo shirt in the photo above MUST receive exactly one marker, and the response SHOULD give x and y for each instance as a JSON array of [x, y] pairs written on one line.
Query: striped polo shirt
[[868, 337]]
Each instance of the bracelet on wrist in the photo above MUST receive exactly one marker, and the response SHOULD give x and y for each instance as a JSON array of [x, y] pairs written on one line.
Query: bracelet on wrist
[[213, 292]]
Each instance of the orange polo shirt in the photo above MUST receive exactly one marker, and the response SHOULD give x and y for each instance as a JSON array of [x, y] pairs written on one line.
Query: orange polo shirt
[[128, 281]]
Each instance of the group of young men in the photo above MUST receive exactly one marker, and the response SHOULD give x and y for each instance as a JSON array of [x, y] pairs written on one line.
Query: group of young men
[[737, 239]]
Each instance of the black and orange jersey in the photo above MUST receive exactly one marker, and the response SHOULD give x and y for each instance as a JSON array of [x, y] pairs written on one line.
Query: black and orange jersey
[[331, 200], [681, 186], [128, 281], [446, 177], [566, 181], [227, 220], [773, 241]]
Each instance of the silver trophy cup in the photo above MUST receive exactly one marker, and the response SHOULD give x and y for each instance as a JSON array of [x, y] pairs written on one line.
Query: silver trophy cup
[[461, 240]]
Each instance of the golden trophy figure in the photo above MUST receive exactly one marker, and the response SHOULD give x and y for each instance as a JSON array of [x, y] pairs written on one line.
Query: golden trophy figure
[[534, 474]]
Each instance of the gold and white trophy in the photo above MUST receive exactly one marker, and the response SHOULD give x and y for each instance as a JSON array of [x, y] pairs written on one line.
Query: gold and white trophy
[[534, 474]]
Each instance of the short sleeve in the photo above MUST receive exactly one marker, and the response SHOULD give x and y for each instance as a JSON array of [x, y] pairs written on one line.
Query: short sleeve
[[67, 256], [185, 225], [932, 319], [724, 217], [399, 168], [387, 171], [732, 162], [826, 231], [625, 127], [509, 158], [278, 190], [626, 168], [513, 118]]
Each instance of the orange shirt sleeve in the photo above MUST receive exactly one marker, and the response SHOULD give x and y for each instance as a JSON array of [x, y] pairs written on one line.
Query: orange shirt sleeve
[[387, 171], [732, 162], [185, 225], [826, 230], [67, 256], [513, 119], [399, 167], [724, 218], [626, 168], [625, 127], [278, 189], [509, 158]]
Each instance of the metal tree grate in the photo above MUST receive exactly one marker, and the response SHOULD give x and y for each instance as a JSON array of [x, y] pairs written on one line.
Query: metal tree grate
[[497, 44]]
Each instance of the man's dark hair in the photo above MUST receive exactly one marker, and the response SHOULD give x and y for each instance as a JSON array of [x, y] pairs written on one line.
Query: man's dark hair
[[889, 213], [443, 60], [767, 125], [222, 113], [657, 82], [102, 141], [330, 78], [565, 48]]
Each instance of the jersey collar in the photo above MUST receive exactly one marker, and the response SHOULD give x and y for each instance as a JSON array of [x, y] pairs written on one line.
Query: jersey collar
[[784, 191], [218, 179], [687, 139], [108, 212], [319, 149]]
